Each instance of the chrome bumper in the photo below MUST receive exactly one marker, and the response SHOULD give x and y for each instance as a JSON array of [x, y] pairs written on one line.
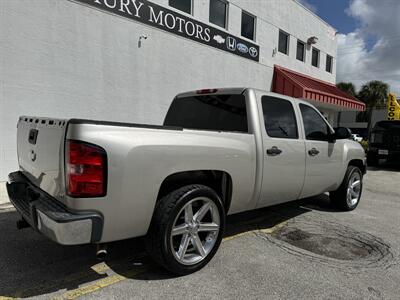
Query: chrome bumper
[[52, 218]]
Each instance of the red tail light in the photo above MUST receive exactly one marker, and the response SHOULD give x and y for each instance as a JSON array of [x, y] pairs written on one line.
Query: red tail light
[[206, 91], [86, 170]]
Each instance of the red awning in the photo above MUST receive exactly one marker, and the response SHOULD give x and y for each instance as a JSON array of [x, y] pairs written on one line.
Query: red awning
[[294, 84]]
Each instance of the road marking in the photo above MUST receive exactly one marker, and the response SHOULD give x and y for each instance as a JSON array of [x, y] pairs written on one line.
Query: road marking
[[100, 284], [100, 268], [6, 298], [228, 238], [273, 229], [265, 230]]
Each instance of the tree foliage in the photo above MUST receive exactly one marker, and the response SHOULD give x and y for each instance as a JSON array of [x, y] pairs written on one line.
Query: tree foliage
[[373, 94], [348, 88]]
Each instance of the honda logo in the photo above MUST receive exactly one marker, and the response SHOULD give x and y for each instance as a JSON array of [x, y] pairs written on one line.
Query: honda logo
[[231, 43]]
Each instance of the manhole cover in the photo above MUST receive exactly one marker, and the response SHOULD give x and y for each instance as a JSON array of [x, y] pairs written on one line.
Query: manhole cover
[[332, 243]]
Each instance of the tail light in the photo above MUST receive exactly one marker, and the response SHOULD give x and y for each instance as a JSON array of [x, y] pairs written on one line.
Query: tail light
[[206, 91], [86, 170]]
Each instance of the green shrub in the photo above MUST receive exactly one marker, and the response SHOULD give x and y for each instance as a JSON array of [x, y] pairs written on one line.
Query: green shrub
[[364, 144]]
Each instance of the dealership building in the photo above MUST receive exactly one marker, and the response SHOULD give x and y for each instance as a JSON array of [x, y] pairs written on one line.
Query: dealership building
[[125, 60]]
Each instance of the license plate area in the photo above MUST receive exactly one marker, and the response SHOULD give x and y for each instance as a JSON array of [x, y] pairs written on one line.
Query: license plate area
[[383, 152]]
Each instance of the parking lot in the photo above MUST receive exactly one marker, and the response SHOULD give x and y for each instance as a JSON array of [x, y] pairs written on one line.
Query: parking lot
[[301, 250]]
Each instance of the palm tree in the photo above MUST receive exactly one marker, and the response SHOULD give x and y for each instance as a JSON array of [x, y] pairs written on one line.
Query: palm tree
[[349, 89], [373, 93]]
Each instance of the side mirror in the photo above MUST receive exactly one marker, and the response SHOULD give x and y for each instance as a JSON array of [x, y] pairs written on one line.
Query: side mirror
[[342, 133]]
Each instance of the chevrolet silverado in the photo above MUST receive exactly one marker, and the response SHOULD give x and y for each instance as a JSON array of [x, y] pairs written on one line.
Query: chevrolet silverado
[[219, 152]]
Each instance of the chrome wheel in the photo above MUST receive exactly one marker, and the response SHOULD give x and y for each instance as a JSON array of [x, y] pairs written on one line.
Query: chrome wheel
[[195, 231], [354, 189]]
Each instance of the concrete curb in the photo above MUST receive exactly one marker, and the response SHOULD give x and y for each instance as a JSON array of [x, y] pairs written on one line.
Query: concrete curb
[[3, 193]]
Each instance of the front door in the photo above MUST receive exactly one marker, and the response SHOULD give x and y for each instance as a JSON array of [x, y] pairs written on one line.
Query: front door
[[323, 158], [284, 152]]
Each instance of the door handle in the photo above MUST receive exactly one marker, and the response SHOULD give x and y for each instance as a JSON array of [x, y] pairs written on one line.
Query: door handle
[[274, 151], [313, 152]]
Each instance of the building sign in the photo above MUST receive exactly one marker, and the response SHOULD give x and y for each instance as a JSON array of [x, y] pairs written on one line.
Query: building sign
[[393, 108], [165, 19]]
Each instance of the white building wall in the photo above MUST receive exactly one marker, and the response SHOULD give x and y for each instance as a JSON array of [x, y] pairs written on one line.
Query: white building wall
[[62, 59]]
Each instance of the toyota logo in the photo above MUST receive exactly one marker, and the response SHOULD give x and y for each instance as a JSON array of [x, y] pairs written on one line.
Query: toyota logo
[[253, 52]]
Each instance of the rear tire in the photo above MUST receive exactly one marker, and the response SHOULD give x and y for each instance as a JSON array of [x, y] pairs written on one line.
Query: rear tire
[[348, 195], [186, 230]]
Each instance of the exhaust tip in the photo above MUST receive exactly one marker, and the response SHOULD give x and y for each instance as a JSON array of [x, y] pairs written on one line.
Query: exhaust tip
[[101, 252]]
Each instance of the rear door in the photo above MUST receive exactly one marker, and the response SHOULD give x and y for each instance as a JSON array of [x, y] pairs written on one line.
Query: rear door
[[40, 143], [284, 152], [324, 158]]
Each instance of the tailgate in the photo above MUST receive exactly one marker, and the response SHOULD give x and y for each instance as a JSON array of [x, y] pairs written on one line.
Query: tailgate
[[40, 144]]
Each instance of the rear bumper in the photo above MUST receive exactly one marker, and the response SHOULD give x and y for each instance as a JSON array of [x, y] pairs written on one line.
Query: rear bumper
[[392, 156], [52, 218]]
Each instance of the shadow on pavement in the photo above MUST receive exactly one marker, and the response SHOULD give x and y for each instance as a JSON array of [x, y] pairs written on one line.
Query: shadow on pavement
[[33, 265], [320, 203]]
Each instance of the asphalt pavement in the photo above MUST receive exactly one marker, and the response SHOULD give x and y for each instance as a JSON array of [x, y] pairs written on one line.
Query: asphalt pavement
[[300, 250]]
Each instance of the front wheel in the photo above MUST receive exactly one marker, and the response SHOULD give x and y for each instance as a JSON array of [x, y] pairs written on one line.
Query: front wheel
[[186, 229], [347, 196]]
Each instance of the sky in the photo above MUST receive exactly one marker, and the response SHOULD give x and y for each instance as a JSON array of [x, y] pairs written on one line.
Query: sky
[[368, 38]]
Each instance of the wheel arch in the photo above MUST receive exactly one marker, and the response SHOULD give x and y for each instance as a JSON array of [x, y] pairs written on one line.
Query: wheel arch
[[219, 181], [358, 163]]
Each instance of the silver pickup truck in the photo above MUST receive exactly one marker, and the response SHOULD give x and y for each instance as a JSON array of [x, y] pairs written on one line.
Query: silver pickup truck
[[219, 152]]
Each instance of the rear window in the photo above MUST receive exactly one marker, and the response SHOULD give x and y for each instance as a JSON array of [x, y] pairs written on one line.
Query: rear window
[[383, 125], [209, 112]]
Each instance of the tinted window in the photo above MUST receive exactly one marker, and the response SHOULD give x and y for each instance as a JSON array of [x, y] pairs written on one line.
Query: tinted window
[[248, 26], [218, 12], [315, 57], [183, 5], [329, 60], [315, 126], [279, 118], [209, 112], [300, 54], [283, 44]]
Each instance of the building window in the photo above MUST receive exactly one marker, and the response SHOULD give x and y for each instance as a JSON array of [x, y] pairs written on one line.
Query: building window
[[329, 61], [315, 57], [283, 44], [219, 12], [183, 5], [301, 51], [248, 26]]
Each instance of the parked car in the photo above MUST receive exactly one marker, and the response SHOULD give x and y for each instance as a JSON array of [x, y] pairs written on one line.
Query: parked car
[[384, 143], [219, 152], [356, 137]]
